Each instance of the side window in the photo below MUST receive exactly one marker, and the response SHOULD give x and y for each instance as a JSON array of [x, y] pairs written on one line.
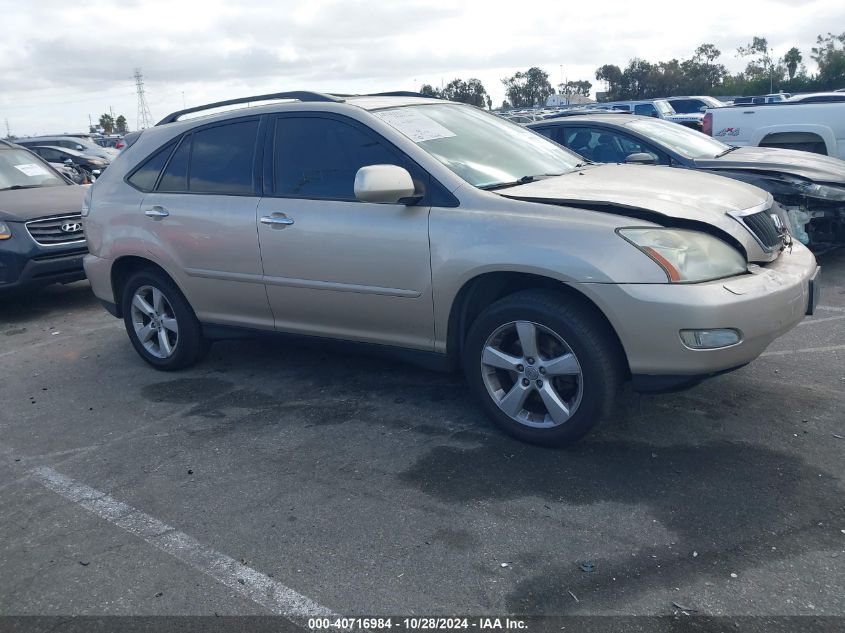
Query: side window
[[633, 146], [175, 176], [145, 176], [319, 158], [645, 109], [222, 159], [548, 132], [50, 155]]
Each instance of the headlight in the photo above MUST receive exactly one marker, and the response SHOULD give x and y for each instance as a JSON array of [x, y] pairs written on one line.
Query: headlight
[[827, 192], [687, 256], [5, 231]]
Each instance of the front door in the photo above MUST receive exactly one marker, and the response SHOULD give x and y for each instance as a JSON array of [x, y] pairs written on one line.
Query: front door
[[334, 266]]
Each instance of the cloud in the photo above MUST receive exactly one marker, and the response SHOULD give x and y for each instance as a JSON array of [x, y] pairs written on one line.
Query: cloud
[[59, 63]]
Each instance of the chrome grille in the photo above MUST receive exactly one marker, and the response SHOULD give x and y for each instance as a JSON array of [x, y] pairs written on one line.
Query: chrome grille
[[763, 226], [64, 229]]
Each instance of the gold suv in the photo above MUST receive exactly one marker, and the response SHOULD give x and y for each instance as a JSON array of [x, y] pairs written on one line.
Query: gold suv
[[445, 232]]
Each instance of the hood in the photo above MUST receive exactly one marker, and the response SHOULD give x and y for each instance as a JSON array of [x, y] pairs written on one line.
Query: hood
[[815, 167], [672, 197], [23, 205]]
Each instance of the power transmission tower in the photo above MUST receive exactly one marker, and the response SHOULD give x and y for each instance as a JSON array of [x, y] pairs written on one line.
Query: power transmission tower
[[145, 119]]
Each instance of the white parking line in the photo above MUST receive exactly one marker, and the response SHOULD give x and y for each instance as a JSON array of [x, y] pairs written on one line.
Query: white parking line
[[831, 308], [806, 350], [813, 321], [248, 582]]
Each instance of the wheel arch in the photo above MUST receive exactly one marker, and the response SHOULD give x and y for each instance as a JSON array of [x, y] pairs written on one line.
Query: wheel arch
[[486, 288], [791, 134], [124, 267]]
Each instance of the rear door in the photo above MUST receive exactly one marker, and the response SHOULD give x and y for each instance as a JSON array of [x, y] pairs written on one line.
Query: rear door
[[339, 267], [202, 214]]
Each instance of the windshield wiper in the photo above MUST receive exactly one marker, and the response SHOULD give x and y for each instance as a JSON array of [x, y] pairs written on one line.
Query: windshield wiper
[[727, 151], [522, 181], [20, 187]]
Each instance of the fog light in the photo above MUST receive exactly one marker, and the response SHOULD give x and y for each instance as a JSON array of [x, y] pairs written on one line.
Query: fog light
[[710, 339]]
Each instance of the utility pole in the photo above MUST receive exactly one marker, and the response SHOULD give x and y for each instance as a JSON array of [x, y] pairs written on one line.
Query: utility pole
[[145, 119], [8, 131]]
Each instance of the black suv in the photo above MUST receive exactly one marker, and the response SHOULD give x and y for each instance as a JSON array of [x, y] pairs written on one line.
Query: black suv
[[41, 238]]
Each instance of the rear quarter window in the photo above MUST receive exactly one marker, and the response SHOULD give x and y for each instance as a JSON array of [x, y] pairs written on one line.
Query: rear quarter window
[[145, 176]]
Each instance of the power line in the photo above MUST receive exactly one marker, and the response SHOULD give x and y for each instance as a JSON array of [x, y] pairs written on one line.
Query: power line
[[145, 118]]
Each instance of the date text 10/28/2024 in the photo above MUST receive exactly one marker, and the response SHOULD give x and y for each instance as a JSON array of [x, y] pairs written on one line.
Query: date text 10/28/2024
[[416, 623]]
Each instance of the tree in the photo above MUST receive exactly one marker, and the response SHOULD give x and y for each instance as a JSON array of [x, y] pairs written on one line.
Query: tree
[[707, 53], [576, 88], [107, 123], [612, 76], [761, 62], [428, 89], [120, 124], [791, 60], [471, 91], [829, 54], [529, 88]]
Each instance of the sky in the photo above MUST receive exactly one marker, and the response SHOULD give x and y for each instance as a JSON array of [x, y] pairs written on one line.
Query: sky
[[63, 61]]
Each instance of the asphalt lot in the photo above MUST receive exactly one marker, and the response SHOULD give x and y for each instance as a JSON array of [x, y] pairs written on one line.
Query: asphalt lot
[[371, 487]]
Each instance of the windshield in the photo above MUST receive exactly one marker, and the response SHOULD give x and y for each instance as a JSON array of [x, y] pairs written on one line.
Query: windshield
[[481, 148], [683, 140], [21, 170]]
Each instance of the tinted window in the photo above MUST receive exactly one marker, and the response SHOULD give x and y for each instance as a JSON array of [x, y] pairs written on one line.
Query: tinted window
[[146, 175], [545, 131], [605, 146], [319, 158], [645, 109], [222, 158], [50, 155], [175, 177], [686, 106]]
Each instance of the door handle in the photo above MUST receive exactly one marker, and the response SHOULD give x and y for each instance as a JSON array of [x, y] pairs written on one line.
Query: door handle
[[277, 221], [157, 212]]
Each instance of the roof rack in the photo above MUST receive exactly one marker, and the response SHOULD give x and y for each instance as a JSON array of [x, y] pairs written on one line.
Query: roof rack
[[299, 95]]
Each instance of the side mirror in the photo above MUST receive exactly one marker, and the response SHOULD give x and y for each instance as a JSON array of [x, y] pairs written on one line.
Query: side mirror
[[96, 172], [79, 148], [387, 184], [68, 161], [641, 158]]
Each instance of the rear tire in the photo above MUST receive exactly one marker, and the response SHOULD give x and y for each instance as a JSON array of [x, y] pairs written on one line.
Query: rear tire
[[551, 391], [160, 322]]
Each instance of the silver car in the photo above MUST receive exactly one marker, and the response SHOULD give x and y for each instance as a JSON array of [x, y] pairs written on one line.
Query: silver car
[[80, 144], [447, 234]]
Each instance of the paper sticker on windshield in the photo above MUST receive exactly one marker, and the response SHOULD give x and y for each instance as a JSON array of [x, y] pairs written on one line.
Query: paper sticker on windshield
[[415, 125], [32, 169]]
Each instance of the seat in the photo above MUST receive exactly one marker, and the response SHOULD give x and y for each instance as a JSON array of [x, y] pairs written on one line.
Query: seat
[[605, 151], [580, 143]]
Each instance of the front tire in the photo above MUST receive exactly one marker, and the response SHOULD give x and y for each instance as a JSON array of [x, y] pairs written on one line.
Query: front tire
[[160, 322], [545, 369]]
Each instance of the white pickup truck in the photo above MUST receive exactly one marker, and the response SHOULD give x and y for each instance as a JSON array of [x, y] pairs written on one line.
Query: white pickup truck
[[813, 127]]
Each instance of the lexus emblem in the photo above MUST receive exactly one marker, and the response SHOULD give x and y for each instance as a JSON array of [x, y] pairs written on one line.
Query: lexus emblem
[[71, 227]]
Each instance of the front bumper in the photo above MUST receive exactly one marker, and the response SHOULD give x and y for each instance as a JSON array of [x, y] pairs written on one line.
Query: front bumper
[[762, 306], [27, 265]]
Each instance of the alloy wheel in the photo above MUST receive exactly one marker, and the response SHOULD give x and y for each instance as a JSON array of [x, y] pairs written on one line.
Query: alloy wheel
[[155, 322], [532, 374]]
